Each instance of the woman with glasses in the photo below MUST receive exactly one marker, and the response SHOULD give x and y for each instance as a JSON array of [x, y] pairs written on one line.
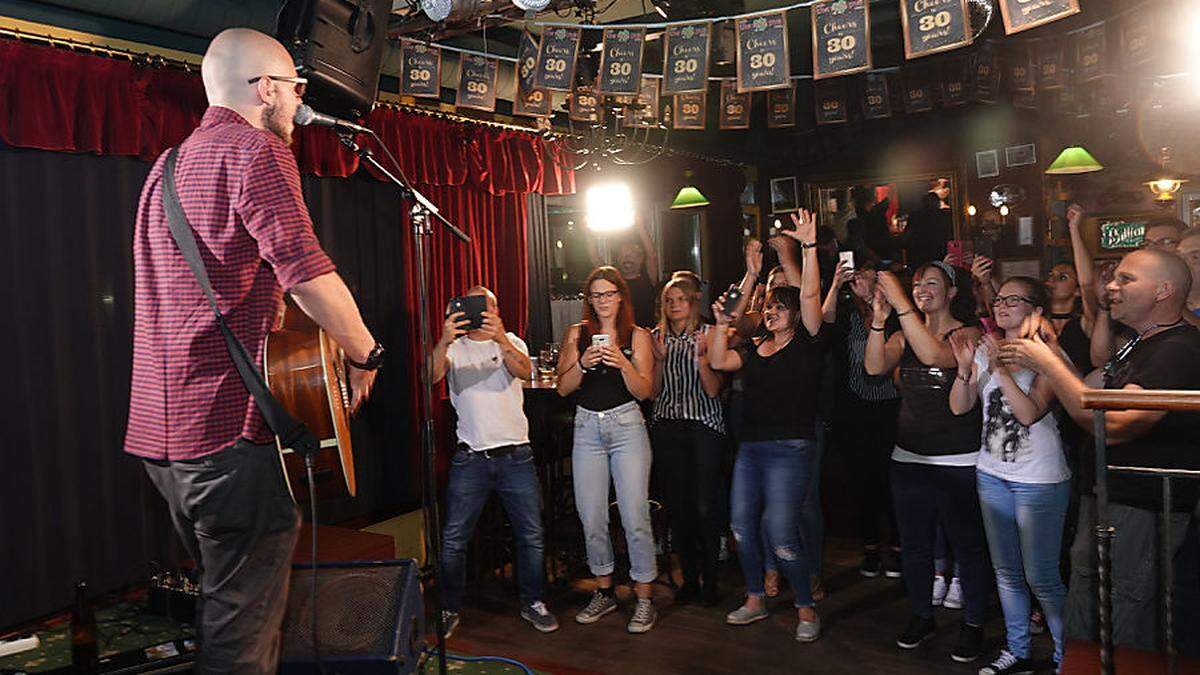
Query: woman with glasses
[[1022, 474], [607, 362], [933, 463], [688, 434]]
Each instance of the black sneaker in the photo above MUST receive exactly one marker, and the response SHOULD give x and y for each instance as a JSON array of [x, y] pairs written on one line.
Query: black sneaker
[[919, 630], [1007, 664], [689, 592], [891, 564], [539, 617], [871, 565], [969, 645]]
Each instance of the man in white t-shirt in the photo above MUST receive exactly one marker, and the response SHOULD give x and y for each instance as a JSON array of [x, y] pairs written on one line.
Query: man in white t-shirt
[[484, 368]]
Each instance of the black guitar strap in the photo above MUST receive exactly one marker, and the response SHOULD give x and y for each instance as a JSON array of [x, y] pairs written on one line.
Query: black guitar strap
[[292, 432]]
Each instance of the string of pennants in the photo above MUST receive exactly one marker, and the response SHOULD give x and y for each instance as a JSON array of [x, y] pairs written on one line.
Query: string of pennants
[[841, 36]]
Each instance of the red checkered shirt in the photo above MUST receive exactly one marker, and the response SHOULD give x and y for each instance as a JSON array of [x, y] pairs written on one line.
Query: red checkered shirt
[[240, 189]]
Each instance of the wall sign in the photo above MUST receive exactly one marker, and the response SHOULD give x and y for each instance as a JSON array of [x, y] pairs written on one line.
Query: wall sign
[[955, 80], [735, 106], [1137, 38], [529, 99], [781, 107], [987, 163], [876, 103], [762, 60], [1091, 54], [987, 76], [690, 109], [420, 69], [831, 102], [621, 60], [918, 95], [841, 34], [556, 59], [1120, 233], [1020, 155], [585, 105], [1022, 15], [1051, 71], [932, 26], [685, 58], [1020, 69], [477, 83]]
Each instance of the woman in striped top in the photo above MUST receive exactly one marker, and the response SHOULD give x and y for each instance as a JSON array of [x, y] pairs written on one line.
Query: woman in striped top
[[688, 437]]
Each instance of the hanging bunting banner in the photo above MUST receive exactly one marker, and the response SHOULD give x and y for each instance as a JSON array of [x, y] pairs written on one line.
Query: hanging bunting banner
[[831, 102], [585, 105], [1022, 15], [932, 26], [762, 58], [477, 83], [1051, 73], [1024, 98], [781, 107], [647, 98], [987, 76], [735, 106], [556, 59], [1091, 54], [876, 103], [690, 109], [1137, 38], [954, 87], [1020, 68], [841, 37], [685, 58], [918, 95], [621, 60], [420, 69], [530, 100]]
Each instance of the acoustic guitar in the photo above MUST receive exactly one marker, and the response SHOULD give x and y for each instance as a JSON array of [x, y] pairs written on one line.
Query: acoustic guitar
[[305, 369]]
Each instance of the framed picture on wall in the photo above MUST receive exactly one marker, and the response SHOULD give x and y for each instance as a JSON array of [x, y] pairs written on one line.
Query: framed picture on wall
[[783, 195], [1020, 155], [1025, 267], [987, 163]]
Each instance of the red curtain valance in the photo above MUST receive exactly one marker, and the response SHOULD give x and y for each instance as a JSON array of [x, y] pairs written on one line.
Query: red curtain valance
[[52, 99]]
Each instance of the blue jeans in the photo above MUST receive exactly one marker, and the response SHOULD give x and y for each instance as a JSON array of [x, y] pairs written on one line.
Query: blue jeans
[[1024, 525], [812, 521], [473, 477], [770, 482], [614, 443]]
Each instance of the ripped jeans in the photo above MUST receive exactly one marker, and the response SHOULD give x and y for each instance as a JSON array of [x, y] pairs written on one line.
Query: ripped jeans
[[770, 482]]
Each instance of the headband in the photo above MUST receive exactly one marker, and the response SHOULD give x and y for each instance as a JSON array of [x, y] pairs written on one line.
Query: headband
[[948, 269]]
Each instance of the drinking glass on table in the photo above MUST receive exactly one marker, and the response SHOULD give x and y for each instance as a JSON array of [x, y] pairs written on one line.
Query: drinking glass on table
[[548, 361]]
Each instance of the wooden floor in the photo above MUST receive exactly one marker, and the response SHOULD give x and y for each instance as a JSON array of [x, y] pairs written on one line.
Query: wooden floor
[[862, 618]]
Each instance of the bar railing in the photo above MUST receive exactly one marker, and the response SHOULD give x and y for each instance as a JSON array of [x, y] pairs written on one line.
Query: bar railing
[[1102, 400]]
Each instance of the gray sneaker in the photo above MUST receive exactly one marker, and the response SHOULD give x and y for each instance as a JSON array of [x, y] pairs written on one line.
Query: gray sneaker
[[744, 616], [449, 622], [541, 618], [644, 616], [808, 631], [597, 607]]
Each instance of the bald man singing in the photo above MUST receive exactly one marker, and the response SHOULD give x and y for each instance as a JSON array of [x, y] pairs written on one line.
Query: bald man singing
[[202, 440], [1148, 293]]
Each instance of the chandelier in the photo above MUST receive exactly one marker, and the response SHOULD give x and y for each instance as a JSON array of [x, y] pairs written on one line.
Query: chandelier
[[623, 133], [1165, 187]]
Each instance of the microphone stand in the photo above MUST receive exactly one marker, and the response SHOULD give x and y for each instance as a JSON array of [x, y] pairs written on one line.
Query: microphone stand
[[421, 210]]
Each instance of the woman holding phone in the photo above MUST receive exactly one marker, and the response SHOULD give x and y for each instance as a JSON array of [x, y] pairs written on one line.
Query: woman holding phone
[[608, 362]]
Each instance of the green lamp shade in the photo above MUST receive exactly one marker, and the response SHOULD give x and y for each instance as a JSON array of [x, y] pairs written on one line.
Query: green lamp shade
[[1074, 159], [688, 197]]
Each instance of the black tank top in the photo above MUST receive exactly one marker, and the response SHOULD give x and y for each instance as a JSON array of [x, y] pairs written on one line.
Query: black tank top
[[603, 387], [1077, 344], [926, 426]]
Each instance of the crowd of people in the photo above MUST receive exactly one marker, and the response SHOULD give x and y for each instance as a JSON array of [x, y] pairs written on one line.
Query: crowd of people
[[954, 394]]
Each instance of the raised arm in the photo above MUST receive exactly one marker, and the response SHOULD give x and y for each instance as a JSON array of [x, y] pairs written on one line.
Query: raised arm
[[829, 308], [746, 285], [965, 390], [651, 251], [882, 353], [454, 326], [929, 349], [710, 380], [1085, 270], [720, 356], [810, 272]]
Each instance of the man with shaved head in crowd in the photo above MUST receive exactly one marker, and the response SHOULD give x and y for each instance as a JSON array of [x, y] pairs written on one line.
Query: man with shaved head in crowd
[[201, 437], [1148, 294]]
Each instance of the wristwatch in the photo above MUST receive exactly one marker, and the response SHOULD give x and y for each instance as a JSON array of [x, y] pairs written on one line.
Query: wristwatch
[[808, 244], [374, 359]]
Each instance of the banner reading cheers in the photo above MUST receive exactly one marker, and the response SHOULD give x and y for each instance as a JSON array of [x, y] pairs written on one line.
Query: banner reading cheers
[[529, 99], [831, 102], [685, 58], [1022, 15], [918, 95], [585, 105], [1137, 38], [735, 106], [932, 26], [762, 60], [876, 103], [556, 59], [1051, 73], [477, 83], [841, 35], [781, 107], [987, 76], [1091, 54], [621, 60], [647, 98], [420, 69], [690, 110], [955, 77], [1020, 68]]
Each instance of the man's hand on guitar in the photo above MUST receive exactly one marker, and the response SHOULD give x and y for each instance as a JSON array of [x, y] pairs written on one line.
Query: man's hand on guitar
[[361, 383]]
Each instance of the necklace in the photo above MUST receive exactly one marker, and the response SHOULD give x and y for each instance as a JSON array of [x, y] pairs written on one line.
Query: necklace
[[1123, 352]]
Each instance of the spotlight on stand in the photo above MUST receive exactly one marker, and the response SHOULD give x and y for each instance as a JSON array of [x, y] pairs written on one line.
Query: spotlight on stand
[[437, 10], [609, 207]]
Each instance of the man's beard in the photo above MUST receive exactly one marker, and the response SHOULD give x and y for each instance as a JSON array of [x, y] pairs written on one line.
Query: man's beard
[[273, 121]]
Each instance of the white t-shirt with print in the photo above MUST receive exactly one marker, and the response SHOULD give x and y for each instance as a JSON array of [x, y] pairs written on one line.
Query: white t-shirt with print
[[1009, 449], [488, 399]]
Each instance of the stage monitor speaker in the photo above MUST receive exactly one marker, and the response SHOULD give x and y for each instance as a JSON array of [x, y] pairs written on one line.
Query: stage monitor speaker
[[338, 45], [370, 618]]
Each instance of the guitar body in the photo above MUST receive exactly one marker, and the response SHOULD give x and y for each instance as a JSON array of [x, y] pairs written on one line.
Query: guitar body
[[305, 370]]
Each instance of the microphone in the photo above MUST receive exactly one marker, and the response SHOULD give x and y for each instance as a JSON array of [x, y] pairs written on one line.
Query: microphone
[[306, 116]]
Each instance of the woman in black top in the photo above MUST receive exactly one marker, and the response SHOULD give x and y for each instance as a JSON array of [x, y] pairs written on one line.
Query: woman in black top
[[933, 464], [777, 447], [607, 362]]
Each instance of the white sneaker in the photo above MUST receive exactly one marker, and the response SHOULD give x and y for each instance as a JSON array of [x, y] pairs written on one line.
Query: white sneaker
[[953, 598], [939, 590]]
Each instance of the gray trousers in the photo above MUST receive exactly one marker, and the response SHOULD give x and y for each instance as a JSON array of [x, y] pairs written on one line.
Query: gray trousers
[[237, 520]]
